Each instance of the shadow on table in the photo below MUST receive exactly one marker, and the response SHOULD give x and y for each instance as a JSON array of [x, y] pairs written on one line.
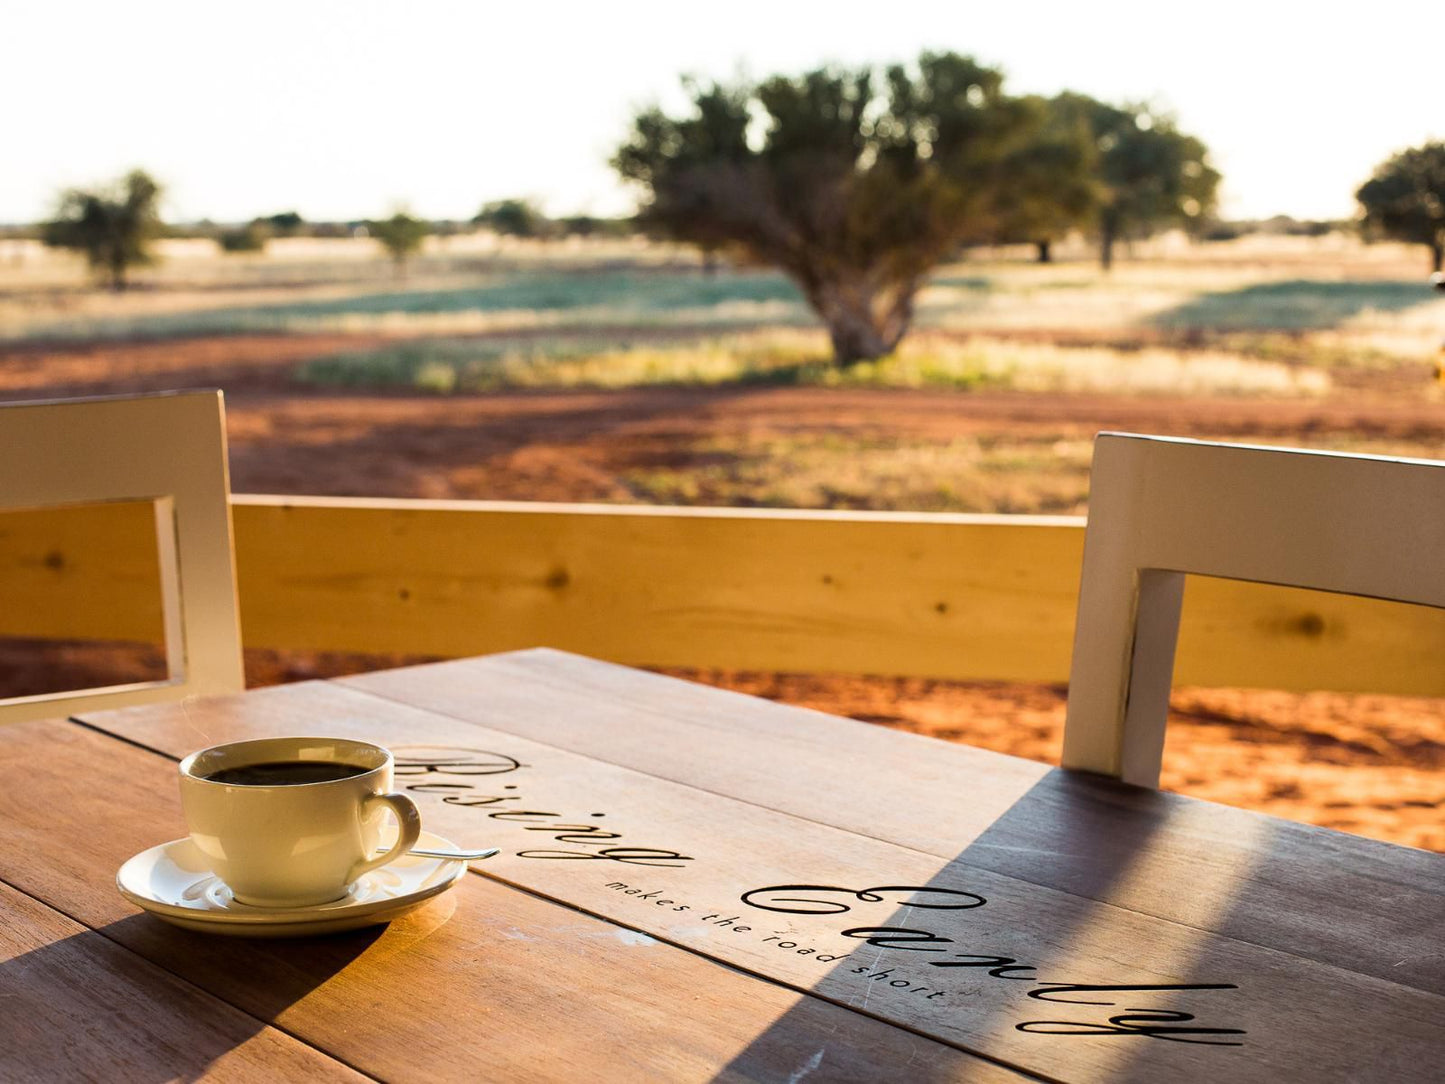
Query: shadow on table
[[1001, 969], [85, 1003], [1227, 946]]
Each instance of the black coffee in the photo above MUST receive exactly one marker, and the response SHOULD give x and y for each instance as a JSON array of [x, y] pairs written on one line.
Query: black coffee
[[286, 773]]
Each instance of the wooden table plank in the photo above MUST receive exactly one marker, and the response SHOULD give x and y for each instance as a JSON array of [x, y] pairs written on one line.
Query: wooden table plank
[[1341, 899], [487, 976], [1009, 987], [76, 1006]]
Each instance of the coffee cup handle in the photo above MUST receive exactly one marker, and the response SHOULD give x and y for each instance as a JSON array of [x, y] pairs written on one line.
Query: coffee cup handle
[[408, 822]]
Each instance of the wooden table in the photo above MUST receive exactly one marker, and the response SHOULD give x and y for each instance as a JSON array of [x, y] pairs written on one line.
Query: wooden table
[[697, 885]]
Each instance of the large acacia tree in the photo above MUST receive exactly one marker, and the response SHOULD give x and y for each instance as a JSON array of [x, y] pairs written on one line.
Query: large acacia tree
[[1405, 199], [854, 185], [112, 226]]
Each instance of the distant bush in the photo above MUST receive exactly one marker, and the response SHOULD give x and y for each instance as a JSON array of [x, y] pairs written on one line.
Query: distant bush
[[285, 224], [251, 237], [1286, 226], [1278, 226], [1225, 231], [581, 226], [592, 226], [514, 218]]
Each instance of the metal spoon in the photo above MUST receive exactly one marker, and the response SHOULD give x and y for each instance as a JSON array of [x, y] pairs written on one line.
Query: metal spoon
[[460, 856]]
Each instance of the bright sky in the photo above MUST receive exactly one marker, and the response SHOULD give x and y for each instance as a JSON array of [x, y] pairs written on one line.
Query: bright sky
[[346, 109]]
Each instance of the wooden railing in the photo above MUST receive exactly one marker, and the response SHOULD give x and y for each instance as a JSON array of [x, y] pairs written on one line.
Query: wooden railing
[[950, 596]]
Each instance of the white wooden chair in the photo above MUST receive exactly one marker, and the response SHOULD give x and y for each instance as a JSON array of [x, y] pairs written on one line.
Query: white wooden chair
[[1161, 507], [169, 449]]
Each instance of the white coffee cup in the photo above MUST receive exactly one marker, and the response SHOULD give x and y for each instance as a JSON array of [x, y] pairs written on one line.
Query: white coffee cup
[[279, 842]]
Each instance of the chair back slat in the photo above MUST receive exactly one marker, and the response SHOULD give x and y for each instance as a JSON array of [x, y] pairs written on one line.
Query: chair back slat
[[169, 449], [1162, 507]]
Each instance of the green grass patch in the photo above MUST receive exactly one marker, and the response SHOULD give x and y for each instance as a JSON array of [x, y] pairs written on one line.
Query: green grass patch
[[495, 363], [777, 358]]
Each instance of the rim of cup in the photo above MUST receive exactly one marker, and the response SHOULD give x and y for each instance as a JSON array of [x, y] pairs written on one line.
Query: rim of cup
[[285, 749]]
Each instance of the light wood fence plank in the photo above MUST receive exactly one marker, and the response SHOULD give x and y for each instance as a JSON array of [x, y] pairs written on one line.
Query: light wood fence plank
[[663, 586], [81, 571], [963, 597]]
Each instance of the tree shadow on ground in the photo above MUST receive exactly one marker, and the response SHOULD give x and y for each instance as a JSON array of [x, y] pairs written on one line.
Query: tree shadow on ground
[[982, 283], [1296, 304], [641, 293]]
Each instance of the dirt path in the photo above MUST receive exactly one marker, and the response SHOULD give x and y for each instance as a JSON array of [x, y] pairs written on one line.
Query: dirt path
[[572, 445], [575, 445]]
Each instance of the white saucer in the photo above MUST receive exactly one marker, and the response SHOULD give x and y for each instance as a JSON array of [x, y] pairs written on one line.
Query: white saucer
[[174, 882]]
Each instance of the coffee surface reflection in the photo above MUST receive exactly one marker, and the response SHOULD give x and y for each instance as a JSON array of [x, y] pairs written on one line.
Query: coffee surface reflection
[[286, 773]]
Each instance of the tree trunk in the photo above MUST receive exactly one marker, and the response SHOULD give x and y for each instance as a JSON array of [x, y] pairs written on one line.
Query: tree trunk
[[1110, 223], [855, 339], [1046, 254], [1437, 256], [860, 327]]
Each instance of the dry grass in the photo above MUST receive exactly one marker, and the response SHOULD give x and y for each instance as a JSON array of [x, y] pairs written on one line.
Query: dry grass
[[1277, 319], [824, 470], [924, 360]]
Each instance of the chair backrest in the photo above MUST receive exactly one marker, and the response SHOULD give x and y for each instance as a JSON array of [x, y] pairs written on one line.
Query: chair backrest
[[169, 449], [1162, 507]]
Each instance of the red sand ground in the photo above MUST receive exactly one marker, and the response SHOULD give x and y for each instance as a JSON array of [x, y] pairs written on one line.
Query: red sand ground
[[1364, 764]]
